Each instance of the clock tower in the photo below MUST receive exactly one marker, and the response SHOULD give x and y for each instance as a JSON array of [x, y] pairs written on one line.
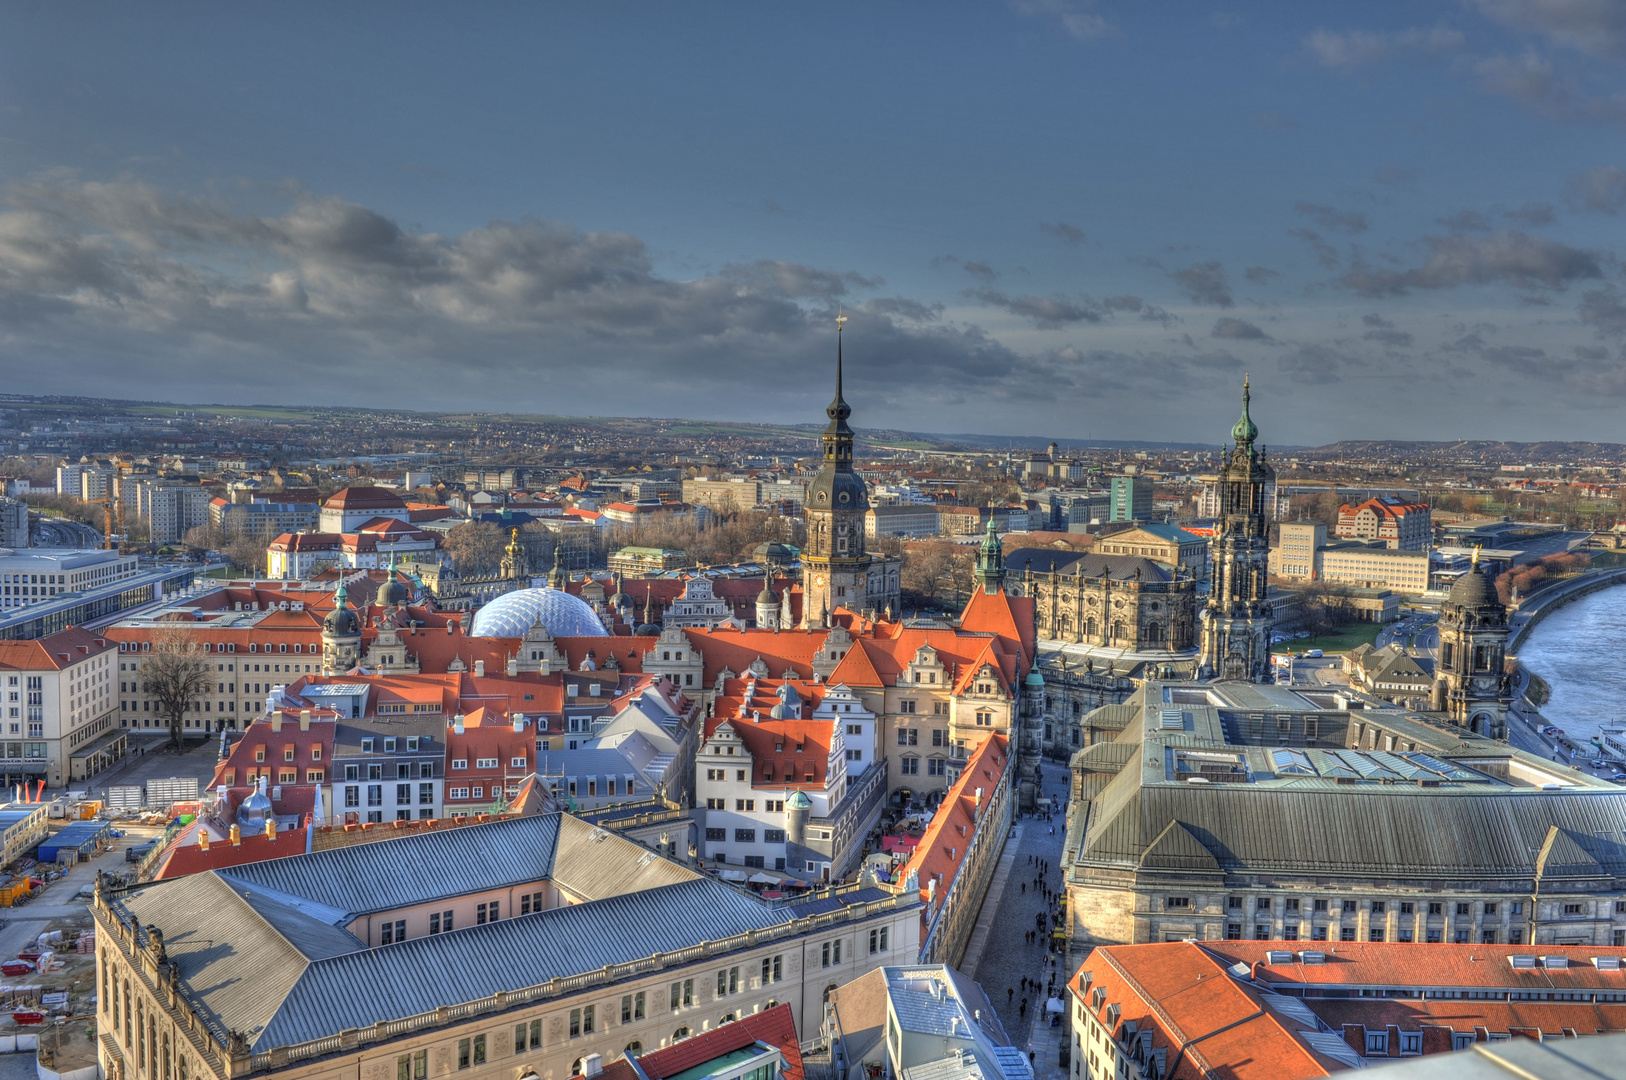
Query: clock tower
[[835, 566]]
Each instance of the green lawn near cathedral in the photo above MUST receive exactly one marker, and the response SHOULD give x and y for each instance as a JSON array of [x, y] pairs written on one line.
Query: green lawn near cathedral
[[1341, 640]]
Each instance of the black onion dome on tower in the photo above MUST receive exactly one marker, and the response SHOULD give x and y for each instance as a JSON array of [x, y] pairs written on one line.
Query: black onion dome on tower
[[342, 621]]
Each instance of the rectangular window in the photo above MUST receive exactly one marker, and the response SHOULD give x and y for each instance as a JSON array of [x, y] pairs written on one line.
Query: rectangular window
[[745, 836], [770, 969], [575, 1023], [462, 1053]]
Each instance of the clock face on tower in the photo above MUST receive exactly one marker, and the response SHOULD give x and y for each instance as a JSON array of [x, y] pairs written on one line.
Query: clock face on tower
[[819, 580]]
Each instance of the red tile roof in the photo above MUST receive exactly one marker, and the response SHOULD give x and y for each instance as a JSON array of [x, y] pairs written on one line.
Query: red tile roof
[[364, 498], [1209, 1024], [187, 857], [775, 1026], [942, 846], [1399, 963], [54, 651]]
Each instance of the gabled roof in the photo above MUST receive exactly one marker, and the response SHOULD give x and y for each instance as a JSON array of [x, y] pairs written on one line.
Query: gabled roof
[[1177, 849], [775, 1027], [943, 845], [54, 651], [364, 498]]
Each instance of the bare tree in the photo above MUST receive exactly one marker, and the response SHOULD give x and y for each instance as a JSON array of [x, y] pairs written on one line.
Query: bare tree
[[178, 675]]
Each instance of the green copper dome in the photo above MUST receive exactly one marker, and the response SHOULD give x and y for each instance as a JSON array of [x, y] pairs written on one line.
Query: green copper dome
[[1245, 430]]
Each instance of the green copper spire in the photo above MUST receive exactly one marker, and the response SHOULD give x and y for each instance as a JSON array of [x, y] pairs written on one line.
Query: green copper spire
[[990, 570], [1245, 430]]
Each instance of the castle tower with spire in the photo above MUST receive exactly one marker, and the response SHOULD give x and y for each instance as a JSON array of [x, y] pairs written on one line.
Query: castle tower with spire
[[1237, 619], [835, 566], [989, 575]]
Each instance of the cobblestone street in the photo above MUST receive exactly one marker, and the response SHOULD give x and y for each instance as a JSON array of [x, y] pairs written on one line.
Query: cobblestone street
[[1000, 955]]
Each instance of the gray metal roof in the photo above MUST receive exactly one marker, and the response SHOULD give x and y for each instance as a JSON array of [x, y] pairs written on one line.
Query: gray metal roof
[[363, 987], [368, 877], [1085, 564]]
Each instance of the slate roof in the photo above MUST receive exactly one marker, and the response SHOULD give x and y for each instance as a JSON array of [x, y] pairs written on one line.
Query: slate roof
[[261, 948], [1084, 564], [1335, 811]]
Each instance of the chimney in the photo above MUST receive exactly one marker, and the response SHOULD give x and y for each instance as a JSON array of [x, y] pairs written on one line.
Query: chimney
[[519, 722], [305, 725], [457, 724], [592, 1065], [236, 837], [512, 667], [479, 669], [270, 828], [978, 802], [276, 720], [203, 840]]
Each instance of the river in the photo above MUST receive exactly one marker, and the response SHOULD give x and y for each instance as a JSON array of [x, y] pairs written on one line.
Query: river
[[1577, 651]]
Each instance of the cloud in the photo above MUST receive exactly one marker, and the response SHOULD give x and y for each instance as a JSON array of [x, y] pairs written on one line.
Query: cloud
[[1204, 283], [99, 279], [1509, 257], [1532, 214], [1260, 275], [1077, 17], [1605, 310], [1393, 174], [1467, 221], [1134, 305], [1545, 88], [1046, 312], [1601, 190], [1383, 331], [1072, 234], [981, 270], [1331, 218], [1237, 330], [1325, 253], [1595, 27], [1354, 49], [1316, 364]]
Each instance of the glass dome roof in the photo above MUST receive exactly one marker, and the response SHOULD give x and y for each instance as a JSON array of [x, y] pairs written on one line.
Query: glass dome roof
[[511, 614]]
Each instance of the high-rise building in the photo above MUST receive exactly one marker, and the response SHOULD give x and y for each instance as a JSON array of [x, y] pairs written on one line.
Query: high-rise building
[[1131, 499], [1236, 630], [835, 566]]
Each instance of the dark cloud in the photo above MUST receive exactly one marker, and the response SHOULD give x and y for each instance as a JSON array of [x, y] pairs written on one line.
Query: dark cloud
[[1532, 214], [1260, 275], [1205, 283], [1384, 333], [1601, 190], [1597, 27], [1329, 217], [1355, 49], [1134, 305], [1604, 309], [980, 270], [1325, 253], [1237, 330], [1393, 174], [1590, 352], [1072, 234], [1509, 257], [1046, 312], [1465, 221], [940, 261], [1315, 364], [101, 279], [1547, 89]]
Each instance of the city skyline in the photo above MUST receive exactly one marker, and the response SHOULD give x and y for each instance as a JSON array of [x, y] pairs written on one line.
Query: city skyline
[[1080, 218]]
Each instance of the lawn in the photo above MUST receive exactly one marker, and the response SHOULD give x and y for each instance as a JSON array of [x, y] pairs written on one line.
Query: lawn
[[1341, 640]]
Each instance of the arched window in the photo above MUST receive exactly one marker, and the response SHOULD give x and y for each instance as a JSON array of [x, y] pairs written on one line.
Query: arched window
[[680, 1034], [1154, 634], [1117, 630], [828, 990], [633, 1049]]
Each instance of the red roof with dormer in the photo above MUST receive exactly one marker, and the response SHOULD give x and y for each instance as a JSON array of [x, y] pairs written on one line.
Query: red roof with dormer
[[364, 498]]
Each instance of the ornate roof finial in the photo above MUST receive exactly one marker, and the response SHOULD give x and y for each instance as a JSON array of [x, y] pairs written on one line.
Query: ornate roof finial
[[839, 410], [1473, 560], [1245, 430]]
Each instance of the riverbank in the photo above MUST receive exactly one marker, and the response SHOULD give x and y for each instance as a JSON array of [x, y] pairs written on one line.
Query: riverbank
[[1572, 675]]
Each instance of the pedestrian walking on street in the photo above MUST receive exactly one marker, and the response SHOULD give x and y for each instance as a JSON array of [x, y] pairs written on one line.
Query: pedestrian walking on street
[[1010, 995], [1024, 1010], [1024, 888]]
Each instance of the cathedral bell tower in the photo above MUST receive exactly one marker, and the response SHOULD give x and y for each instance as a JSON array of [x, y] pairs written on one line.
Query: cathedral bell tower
[[1237, 619], [835, 566], [1470, 680]]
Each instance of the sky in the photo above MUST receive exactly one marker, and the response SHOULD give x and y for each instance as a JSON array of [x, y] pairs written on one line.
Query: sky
[[1082, 219]]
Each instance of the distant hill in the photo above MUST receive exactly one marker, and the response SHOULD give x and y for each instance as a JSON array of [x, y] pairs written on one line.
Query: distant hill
[[1483, 451]]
